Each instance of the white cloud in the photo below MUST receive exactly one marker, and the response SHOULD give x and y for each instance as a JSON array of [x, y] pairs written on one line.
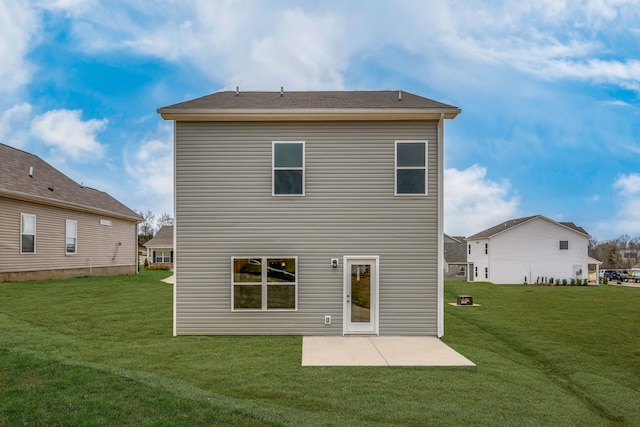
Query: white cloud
[[14, 125], [626, 209], [152, 164], [69, 136], [628, 185], [18, 28], [150, 167], [473, 203]]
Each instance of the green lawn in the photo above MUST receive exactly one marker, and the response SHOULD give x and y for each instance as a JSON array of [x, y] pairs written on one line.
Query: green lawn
[[99, 351]]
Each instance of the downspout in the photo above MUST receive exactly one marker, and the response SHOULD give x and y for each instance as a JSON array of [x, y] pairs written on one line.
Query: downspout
[[440, 276], [135, 245], [175, 227]]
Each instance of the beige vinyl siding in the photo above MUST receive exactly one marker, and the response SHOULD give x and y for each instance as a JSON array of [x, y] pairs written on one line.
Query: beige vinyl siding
[[225, 208], [96, 244]]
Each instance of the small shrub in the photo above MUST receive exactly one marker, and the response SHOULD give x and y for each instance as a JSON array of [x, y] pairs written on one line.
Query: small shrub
[[564, 282], [585, 282], [158, 267], [551, 280], [146, 263]]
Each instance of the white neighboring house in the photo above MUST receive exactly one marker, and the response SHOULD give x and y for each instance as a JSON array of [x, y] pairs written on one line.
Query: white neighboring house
[[160, 247], [530, 248]]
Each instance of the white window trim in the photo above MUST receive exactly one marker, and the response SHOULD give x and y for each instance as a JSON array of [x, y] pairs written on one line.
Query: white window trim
[[560, 245], [273, 168], [66, 233], [164, 252], [426, 169], [264, 285], [35, 231]]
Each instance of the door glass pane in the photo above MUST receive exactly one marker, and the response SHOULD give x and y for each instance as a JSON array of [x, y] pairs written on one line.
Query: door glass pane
[[361, 293]]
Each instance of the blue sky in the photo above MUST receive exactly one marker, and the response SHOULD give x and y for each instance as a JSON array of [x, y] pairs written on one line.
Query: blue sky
[[549, 90]]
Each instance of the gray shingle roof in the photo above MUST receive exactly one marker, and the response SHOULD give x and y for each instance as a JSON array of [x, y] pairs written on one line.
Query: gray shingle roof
[[455, 249], [314, 106], [490, 232], [312, 100], [162, 239], [49, 186]]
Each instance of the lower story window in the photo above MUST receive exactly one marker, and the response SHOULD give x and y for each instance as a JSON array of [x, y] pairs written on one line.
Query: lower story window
[[462, 271], [264, 283], [162, 256]]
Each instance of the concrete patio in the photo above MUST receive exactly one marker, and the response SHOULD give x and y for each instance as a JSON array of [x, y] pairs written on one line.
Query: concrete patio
[[379, 351]]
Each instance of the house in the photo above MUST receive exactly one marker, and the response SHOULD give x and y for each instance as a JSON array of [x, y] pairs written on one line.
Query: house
[[529, 249], [455, 258], [160, 247], [313, 213], [52, 227]]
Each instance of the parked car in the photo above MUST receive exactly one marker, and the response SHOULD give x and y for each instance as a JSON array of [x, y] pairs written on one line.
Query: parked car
[[611, 275], [634, 276]]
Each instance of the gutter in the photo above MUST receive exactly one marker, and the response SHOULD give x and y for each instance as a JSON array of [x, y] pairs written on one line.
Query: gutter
[[16, 195], [309, 114]]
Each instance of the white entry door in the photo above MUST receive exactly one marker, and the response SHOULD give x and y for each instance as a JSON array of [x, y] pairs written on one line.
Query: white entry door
[[360, 295]]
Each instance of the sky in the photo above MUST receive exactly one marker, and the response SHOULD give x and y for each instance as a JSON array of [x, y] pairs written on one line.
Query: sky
[[549, 90]]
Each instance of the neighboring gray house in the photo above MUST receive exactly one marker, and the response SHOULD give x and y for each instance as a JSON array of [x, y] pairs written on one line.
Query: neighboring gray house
[[52, 227], [309, 213], [455, 258], [160, 247]]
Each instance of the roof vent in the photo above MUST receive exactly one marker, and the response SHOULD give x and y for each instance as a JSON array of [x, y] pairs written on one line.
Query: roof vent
[[281, 91], [237, 90], [31, 171], [399, 95]]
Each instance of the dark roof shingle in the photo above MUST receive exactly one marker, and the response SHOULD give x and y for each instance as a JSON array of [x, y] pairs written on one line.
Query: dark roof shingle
[[490, 232], [163, 238], [309, 100], [48, 185]]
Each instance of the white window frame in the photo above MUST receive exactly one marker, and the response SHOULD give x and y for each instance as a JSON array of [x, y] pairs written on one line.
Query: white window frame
[[274, 168], [166, 255], [74, 237], [264, 283], [564, 249], [35, 227], [425, 168]]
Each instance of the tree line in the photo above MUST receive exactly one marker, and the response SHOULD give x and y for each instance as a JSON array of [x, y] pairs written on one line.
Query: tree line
[[620, 253], [150, 225]]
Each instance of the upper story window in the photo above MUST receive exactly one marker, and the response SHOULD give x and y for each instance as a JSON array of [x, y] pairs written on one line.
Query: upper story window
[[72, 236], [411, 167], [564, 244], [288, 168], [27, 233], [469, 249], [486, 249], [264, 283]]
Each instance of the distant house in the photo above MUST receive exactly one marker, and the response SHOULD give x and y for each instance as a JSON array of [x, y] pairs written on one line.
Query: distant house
[[309, 213], [529, 249], [455, 258], [160, 247], [52, 227]]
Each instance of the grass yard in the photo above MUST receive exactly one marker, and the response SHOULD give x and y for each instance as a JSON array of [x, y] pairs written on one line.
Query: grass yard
[[99, 351]]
